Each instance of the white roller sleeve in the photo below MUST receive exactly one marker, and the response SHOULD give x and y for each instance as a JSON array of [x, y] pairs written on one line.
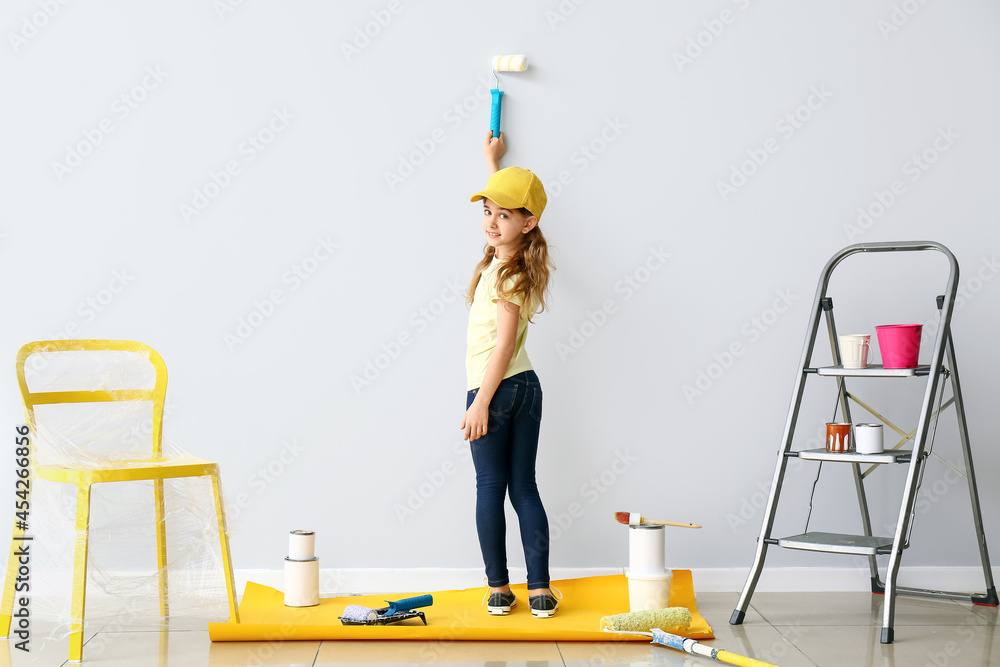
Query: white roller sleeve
[[517, 63]]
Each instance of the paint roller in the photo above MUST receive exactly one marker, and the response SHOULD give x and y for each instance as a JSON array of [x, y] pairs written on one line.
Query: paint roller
[[517, 63], [649, 622], [398, 610]]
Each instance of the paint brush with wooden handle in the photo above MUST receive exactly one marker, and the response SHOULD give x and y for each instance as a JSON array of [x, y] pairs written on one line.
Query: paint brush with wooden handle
[[635, 519]]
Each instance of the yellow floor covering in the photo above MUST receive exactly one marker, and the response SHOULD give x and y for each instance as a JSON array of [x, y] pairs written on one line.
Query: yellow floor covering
[[455, 615]]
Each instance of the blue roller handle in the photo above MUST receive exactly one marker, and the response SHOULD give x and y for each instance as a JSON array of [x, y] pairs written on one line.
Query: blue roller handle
[[409, 603], [495, 111]]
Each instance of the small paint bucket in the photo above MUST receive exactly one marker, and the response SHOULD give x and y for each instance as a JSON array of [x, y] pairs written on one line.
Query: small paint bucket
[[646, 552], [868, 438], [855, 350], [899, 344], [838, 438], [648, 591], [301, 544]]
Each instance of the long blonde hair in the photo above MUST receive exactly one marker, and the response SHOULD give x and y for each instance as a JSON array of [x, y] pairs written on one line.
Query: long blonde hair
[[529, 266]]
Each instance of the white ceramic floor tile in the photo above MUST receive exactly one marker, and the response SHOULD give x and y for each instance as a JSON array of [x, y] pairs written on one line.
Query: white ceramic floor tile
[[239, 654], [717, 608], [360, 652], [786, 629], [938, 646], [48, 646], [607, 653], [190, 649], [762, 642], [858, 609], [990, 614]]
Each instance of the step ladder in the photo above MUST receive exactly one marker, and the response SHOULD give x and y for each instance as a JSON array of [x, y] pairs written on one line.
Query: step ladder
[[942, 367]]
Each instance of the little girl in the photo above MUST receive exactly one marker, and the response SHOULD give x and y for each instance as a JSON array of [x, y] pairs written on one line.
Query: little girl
[[504, 404]]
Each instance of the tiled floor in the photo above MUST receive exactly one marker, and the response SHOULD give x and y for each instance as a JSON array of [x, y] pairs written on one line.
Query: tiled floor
[[786, 629]]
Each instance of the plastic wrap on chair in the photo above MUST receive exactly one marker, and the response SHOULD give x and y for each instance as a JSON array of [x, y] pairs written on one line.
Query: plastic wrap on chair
[[123, 574]]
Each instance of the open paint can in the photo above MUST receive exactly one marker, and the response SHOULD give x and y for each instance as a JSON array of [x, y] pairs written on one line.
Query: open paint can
[[838, 438], [646, 548]]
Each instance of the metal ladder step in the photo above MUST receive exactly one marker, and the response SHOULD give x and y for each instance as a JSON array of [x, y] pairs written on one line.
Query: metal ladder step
[[888, 456], [874, 370], [838, 543]]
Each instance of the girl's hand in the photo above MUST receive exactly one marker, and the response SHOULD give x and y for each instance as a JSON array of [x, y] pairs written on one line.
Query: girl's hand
[[494, 148], [475, 421]]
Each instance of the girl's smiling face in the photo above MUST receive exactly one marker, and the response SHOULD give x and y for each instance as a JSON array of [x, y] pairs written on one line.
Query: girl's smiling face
[[505, 229]]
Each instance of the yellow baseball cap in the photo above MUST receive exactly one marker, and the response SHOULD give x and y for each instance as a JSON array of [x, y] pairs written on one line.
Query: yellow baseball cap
[[514, 188]]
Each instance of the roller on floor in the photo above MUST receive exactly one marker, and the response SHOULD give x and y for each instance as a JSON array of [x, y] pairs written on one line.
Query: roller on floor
[[650, 621]]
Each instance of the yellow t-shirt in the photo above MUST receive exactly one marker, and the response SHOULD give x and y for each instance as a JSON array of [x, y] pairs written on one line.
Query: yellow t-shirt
[[482, 338]]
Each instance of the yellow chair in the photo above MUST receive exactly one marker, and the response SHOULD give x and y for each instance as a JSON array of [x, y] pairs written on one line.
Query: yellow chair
[[87, 473]]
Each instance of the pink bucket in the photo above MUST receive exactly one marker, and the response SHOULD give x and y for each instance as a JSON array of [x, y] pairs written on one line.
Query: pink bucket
[[899, 344]]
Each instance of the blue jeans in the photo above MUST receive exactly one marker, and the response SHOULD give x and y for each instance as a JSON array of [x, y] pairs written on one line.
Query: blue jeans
[[505, 463]]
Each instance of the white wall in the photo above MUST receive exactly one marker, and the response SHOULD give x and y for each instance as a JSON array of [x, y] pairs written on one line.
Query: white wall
[[606, 80]]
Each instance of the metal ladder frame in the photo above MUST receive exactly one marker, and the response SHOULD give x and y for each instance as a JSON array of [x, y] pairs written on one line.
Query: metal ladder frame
[[943, 347]]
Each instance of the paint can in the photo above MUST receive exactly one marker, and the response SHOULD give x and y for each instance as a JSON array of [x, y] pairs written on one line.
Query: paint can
[[301, 582], [301, 570], [868, 438], [646, 549], [838, 438], [648, 591], [301, 544]]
